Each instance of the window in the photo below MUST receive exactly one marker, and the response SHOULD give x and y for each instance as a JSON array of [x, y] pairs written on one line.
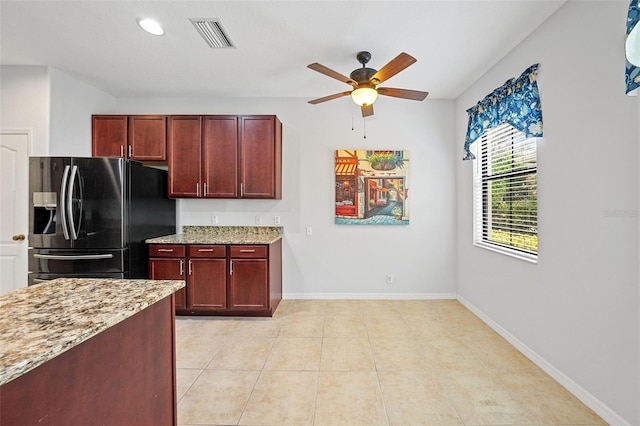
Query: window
[[505, 193]]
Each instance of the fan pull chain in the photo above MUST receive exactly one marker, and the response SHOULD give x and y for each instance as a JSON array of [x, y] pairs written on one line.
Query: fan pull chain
[[352, 119], [364, 127]]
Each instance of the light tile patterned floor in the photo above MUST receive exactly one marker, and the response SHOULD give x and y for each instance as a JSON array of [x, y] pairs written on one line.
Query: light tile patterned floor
[[362, 362]]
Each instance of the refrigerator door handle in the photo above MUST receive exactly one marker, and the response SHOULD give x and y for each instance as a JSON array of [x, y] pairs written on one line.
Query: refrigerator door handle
[[63, 197], [72, 225], [73, 257]]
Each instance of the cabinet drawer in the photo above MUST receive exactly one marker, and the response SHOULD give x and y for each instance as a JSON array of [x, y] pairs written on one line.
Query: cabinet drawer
[[248, 251], [166, 250], [206, 251]]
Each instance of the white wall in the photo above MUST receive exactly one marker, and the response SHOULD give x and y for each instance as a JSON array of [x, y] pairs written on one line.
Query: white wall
[[343, 260], [72, 103], [578, 308], [54, 105], [24, 103]]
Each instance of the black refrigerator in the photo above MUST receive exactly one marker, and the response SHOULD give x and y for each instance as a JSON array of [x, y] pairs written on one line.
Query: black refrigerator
[[90, 217]]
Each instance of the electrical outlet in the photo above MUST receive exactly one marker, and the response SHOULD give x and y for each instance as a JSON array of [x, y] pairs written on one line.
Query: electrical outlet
[[214, 219], [309, 231], [258, 220], [276, 220], [389, 279]]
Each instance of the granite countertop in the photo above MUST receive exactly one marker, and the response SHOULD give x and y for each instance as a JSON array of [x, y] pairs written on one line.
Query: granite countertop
[[222, 235], [38, 323]]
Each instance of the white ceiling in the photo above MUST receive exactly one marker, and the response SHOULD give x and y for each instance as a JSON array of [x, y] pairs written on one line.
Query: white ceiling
[[99, 42]]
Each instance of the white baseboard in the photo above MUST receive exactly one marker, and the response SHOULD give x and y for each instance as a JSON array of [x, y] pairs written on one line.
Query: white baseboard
[[607, 414], [371, 296]]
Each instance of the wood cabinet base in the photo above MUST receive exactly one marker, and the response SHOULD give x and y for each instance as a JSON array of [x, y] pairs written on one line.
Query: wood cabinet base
[[229, 280], [122, 376]]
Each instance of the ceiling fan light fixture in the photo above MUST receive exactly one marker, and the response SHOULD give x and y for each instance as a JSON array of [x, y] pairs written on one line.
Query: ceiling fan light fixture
[[364, 96], [151, 26]]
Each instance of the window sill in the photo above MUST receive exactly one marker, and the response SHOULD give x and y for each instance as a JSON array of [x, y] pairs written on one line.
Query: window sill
[[531, 258]]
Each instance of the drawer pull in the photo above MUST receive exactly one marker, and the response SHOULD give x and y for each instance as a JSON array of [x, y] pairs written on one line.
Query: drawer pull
[[209, 249], [247, 251], [166, 250]]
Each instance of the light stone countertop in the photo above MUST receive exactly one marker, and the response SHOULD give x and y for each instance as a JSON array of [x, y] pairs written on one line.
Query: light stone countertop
[[40, 322], [222, 235]]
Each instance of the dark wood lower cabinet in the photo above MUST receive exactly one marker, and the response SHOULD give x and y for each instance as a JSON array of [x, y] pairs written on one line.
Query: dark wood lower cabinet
[[207, 284], [222, 279], [248, 284], [122, 376]]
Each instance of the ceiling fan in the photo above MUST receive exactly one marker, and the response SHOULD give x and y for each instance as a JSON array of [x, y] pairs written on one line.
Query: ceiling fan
[[365, 81]]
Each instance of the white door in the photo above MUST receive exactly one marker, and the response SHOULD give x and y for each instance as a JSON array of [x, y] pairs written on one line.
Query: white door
[[14, 205]]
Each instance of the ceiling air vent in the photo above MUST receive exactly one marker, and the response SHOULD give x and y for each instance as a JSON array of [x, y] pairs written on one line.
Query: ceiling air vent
[[213, 33]]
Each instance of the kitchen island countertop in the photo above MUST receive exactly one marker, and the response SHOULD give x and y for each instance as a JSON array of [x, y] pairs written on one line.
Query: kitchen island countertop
[[40, 322], [222, 235]]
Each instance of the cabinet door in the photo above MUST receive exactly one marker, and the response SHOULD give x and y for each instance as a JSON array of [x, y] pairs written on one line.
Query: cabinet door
[[109, 136], [260, 157], [248, 285], [184, 162], [170, 269], [148, 137], [220, 156], [207, 283]]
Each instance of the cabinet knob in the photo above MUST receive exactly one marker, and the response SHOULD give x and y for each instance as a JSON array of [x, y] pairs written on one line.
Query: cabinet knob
[[18, 237]]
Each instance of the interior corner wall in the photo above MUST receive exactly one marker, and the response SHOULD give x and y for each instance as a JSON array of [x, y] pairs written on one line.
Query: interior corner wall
[[24, 103], [55, 106], [344, 261], [578, 308], [72, 103]]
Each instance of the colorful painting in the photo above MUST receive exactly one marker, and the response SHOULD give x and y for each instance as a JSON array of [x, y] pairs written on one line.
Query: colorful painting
[[372, 187]]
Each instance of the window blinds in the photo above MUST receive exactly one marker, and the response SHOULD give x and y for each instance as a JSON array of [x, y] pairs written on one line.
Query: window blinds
[[505, 191]]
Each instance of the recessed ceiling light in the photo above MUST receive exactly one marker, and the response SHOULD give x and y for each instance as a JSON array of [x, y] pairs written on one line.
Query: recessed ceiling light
[[150, 26]]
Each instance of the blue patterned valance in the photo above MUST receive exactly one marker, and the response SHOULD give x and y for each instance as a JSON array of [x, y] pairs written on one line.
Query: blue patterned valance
[[516, 102], [632, 74]]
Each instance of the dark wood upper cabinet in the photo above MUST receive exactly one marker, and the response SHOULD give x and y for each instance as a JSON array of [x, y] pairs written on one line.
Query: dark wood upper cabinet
[[222, 156], [109, 135], [148, 137], [260, 157], [138, 137], [185, 156]]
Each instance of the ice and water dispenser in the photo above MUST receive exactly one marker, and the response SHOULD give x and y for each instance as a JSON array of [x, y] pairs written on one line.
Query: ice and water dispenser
[[44, 212]]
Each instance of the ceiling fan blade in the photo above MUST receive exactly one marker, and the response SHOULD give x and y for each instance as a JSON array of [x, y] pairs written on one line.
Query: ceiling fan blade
[[414, 95], [367, 110], [396, 65], [331, 73], [329, 98]]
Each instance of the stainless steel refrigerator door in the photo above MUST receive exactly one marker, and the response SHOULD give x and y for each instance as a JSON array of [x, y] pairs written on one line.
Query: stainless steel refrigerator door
[[47, 190], [89, 207]]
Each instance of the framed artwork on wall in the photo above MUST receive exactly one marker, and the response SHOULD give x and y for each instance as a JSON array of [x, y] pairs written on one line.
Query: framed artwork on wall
[[372, 187]]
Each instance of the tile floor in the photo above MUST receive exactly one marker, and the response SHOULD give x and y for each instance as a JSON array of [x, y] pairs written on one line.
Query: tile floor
[[362, 362]]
